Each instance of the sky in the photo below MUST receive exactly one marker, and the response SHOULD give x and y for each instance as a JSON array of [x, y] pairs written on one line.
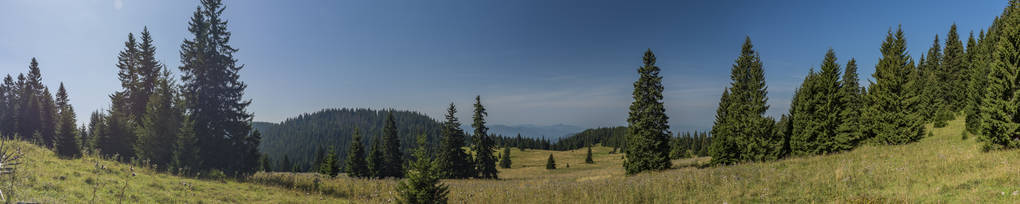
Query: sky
[[532, 61]]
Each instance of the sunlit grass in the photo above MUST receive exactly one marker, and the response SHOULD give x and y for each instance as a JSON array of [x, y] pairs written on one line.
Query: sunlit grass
[[45, 178], [942, 168]]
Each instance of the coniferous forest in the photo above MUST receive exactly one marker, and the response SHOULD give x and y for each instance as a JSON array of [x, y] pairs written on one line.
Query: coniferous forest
[[945, 122]]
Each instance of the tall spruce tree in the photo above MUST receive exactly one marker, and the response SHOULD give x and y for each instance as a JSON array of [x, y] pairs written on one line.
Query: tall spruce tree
[[745, 134], [67, 140], [392, 156], [485, 161], [926, 83], [422, 184], [375, 159], [8, 120], [818, 107], [215, 93], [849, 133], [1001, 118], [648, 132], [48, 118], [890, 115], [452, 161], [159, 124], [356, 166], [954, 78], [975, 85]]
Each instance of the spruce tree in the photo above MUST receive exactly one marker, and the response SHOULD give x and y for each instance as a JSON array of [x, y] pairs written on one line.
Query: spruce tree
[[745, 134], [849, 133], [8, 119], [927, 86], [264, 164], [485, 161], [285, 164], [330, 166], [954, 79], [356, 166], [504, 161], [215, 93], [648, 132], [975, 81], [890, 115], [999, 106], [67, 140], [47, 118], [550, 163], [587, 158], [186, 151], [375, 159], [159, 124], [818, 108], [392, 157], [453, 162], [422, 184]]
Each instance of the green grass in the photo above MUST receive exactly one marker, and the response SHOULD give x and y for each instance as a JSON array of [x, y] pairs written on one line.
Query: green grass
[[45, 178], [943, 168]]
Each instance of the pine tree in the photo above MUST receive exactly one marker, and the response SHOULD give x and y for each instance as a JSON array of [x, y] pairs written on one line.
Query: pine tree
[[818, 107], [587, 158], [375, 159], [975, 79], [159, 124], [648, 132], [928, 83], [954, 68], [392, 157], [356, 166], [504, 160], [453, 162], [149, 73], [67, 140], [890, 115], [551, 163], [7, 101], [47, 118], [999, 106], [331, 167], [186, 151], [849, 133], [744, 133], [485, 161], [422, 184], [215, 93], [120, 138]]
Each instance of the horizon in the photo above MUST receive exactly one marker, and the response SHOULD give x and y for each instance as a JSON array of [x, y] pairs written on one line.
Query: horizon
[[532, 62]]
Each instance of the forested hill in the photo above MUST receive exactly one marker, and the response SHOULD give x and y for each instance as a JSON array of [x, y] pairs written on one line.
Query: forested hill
[[299, 138]]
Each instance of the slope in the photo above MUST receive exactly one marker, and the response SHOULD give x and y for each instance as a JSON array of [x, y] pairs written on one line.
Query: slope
[[44, 178]]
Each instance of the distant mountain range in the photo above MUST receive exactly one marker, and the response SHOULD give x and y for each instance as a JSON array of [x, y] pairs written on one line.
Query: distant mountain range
[[551, 132]]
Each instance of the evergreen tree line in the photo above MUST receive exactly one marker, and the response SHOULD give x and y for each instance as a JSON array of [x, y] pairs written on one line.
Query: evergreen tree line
[[452, 158], [523, 142], [199, 123], [29, 111], [690, 144]]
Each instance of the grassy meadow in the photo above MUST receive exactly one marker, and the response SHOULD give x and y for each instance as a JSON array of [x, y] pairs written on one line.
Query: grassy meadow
[[43, 177], [941, 168]]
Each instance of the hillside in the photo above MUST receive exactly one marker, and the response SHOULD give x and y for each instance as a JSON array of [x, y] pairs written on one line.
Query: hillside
[[44, 178], [298, 138], [942, 168], [550, 132]]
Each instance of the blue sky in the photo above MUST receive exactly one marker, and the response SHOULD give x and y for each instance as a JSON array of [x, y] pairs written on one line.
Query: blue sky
[[533, 61]]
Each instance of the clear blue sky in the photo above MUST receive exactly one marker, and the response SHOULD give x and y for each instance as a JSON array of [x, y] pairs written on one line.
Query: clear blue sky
[[533, 61]]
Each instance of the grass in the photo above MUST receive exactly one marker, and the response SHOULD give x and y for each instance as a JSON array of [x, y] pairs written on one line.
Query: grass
[[943, 168], [45, 178]]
